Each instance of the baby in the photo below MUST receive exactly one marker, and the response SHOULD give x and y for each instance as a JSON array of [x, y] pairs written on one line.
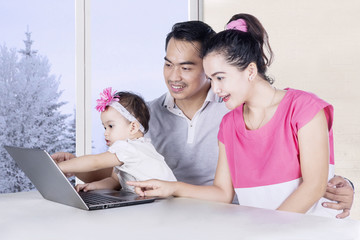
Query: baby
[[125, 118]]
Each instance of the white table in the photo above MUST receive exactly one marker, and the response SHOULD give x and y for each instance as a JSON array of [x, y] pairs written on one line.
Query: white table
[[28, 216]]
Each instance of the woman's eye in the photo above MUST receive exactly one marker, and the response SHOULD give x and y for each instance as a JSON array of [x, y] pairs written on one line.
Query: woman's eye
[[219, 78]]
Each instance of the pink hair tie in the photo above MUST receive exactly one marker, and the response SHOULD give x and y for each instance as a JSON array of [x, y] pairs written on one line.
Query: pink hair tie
[[238, 24]]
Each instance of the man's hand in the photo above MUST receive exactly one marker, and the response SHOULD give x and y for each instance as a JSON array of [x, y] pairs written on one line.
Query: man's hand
[[339, 190]]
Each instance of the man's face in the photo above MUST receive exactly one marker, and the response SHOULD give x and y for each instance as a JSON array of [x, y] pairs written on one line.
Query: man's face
[[183, 70]]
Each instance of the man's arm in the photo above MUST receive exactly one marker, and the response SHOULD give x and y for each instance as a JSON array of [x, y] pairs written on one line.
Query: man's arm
[[341, 191]]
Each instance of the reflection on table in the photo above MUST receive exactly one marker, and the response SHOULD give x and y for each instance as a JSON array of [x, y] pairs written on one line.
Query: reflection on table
[[28, 216]]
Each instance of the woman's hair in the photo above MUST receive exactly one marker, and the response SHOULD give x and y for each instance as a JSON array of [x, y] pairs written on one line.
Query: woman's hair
[[136, 106], [240, 48]]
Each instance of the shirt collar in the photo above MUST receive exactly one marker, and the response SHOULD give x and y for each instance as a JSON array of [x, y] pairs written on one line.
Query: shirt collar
[[210, 97]]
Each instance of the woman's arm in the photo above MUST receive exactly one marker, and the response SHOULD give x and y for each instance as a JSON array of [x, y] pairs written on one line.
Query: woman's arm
[[313, 141], [89, 163], [222, 189]]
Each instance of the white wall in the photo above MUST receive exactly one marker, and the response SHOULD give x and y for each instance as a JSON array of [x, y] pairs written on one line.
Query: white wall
[[316, 45]]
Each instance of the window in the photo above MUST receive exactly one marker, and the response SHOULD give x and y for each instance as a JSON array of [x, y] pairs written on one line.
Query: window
[[115, 43], [128, 49], [37, 81]]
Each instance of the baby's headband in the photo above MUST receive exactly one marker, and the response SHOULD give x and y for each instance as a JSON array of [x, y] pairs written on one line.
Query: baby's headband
[[238, 24], [107, 98]]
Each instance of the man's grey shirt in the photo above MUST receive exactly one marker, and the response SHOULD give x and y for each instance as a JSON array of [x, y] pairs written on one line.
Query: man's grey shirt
[[190, 147]]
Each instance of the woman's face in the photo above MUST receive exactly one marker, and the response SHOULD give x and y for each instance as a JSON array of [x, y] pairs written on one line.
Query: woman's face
[[227, 81]]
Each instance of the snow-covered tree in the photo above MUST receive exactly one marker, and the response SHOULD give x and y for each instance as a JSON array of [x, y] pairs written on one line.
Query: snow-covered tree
[[29, 111], [71, 136]]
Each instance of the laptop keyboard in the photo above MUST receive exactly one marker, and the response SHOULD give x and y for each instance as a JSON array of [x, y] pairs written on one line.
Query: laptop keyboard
[[96, 199]]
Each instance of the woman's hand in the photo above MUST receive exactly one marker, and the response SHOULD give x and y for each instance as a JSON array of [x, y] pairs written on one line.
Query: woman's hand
[[154, 188]]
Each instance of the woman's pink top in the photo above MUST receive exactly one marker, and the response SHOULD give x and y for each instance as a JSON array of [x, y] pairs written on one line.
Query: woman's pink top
[[265, 163]]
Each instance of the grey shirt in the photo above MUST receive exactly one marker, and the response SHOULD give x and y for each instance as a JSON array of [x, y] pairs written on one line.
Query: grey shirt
[[190, 147]]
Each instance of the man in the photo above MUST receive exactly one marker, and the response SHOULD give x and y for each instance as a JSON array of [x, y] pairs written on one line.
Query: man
[[184, 122]]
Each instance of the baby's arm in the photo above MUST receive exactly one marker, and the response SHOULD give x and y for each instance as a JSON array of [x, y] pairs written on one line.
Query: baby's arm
[[89, 163], [106, 183], [314, 160]]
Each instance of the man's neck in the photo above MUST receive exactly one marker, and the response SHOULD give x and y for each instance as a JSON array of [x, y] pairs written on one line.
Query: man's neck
[[190, 106]]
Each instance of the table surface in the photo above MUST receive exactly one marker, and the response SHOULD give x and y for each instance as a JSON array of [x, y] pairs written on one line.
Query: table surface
[[27, 215]]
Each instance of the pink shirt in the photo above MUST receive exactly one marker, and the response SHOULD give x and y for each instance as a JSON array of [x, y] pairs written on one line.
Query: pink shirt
[[270, 155]]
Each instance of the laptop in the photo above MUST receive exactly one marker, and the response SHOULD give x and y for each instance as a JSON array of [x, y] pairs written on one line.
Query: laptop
[[53, 185]]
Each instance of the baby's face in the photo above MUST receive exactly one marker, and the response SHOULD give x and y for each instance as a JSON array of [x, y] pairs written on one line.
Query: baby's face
[[116, 126]]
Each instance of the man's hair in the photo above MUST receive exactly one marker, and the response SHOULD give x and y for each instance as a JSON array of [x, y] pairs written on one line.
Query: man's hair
[[190, 31]]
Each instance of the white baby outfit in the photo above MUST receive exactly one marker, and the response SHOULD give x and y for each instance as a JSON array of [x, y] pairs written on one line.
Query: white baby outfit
[[140, 162]]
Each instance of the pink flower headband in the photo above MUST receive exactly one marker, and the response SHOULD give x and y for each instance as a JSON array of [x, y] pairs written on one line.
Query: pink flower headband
[[107, 98], [238, 24]]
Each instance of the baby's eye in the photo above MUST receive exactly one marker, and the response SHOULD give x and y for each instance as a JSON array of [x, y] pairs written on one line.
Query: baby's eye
[[110, 126]]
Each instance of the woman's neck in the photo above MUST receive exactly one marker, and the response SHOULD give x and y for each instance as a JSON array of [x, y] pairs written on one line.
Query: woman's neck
[[261, 95], [260, 106]]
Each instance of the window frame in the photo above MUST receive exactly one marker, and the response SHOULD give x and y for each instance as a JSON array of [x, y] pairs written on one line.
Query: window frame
[[83, 69]]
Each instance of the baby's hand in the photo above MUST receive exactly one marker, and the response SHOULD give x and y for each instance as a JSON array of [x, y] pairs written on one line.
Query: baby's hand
[[85, 187], [61, 157]]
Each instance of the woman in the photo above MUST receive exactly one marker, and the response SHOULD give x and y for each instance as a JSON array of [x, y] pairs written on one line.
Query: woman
[[275, 146]]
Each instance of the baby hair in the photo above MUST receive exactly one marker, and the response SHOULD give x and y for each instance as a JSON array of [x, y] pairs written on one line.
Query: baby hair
[[135, 105]]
